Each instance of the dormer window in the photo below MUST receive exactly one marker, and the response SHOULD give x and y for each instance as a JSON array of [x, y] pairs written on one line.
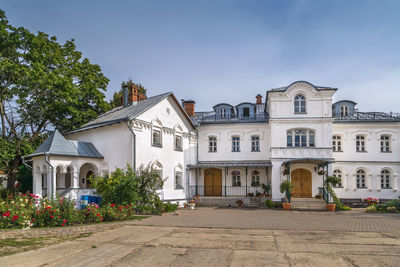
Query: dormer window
[[246, 112], [223, 113], [344, 111], [299, 104]]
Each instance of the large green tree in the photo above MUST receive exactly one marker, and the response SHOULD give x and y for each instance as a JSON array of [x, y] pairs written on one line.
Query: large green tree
[[44, 85]]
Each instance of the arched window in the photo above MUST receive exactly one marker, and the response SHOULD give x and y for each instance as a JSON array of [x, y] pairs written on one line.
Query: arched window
[[360, 179], [385, 179], [338, 174], [300, 138], [236, 179], [299, 104], [255, 178]]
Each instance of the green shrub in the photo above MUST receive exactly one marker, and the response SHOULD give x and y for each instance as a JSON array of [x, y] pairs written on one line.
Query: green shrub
[[393, 203], [371, 208], [269, 203], [168, 207]]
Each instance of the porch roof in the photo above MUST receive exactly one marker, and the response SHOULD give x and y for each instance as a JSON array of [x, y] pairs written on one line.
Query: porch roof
[[232, 163], [309, 160]]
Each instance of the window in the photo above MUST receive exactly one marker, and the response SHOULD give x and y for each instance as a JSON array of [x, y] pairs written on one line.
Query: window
[[360, 143], [160, 174], [223, 113], [44, 180], [255, 144], [385, 179], [299, 104], [235, 144], [156, 138], [344, 111], [385, 143], [337, 143], [300, 138], [338, 174], [212, 144], [178, 180], [236, 179], [360, 179], [178, 142], [255, 178], [246, 112]]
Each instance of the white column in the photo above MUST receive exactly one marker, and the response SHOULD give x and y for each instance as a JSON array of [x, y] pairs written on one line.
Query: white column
[[75, 178], [395, 182], [276, 181], [369, 182], [49, 183], [378, 182], [37, 183], [53, 184], [354, 188], [345, 181]]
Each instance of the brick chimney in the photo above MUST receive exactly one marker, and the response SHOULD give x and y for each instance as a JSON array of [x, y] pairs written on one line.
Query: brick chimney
[[259, 99], [188, 105]]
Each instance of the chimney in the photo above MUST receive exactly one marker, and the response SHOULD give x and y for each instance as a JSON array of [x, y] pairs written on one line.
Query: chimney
[[188, 105], [259, 99]]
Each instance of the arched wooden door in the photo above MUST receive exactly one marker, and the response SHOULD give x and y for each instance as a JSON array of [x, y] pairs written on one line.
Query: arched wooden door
[[302, 186], [213, 182]]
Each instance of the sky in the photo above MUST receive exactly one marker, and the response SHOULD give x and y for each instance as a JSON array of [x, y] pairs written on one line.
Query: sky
[[230, 51]]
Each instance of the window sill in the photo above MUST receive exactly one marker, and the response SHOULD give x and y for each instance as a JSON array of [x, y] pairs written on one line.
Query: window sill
[[236, 151], [337, 151], [256, 151], [179, 188], [179, 149], [383, 188], [386, 151], [300, 113], [338, 187], [212, 151], [157, 145], [361, 151], [362, 188]]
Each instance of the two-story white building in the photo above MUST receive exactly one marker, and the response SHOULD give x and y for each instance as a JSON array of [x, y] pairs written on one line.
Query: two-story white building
[[297, 133]]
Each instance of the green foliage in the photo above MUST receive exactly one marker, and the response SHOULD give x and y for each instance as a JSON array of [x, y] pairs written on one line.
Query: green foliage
[[266, 188], [271, 204], [393, 205], [43, 85], [168, 207], [331, 181], [24, 177], [127, 186], [286, 187]]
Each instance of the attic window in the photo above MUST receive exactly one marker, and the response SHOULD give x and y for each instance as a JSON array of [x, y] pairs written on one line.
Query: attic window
[[246, 112], [344, 111]]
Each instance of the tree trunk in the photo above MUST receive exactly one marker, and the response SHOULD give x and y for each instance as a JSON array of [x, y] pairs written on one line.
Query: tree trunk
[[3, 126], [12, 174]]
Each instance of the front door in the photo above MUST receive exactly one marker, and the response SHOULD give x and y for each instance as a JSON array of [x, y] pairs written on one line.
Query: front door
[[301, 180], [213, 182]]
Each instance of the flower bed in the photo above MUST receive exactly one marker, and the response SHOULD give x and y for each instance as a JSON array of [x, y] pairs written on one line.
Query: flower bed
[[28, 210]]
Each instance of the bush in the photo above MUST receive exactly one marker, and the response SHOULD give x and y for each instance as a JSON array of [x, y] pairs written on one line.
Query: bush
[[269, 203], [168, 207], [393, 203]]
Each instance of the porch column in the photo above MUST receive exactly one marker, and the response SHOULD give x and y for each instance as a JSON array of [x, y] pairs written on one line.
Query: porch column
[[54, 182], [49, 182], [395, 182], [354, 185], [276, 181], [37, 183], [378, 182], [369, 182], [75, 178]]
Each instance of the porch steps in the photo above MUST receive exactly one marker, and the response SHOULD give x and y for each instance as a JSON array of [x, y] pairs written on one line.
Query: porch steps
[[307, 204], [254, 202]]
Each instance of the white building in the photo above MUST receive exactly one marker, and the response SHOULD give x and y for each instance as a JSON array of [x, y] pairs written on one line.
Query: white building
[[296, 134]]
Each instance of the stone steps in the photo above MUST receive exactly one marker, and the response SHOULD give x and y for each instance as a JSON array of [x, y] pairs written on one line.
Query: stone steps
[[254, 203], [307, 204]]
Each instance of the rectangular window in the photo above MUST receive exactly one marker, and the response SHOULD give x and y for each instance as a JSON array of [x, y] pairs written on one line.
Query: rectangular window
[[246, 112], [255, 179], [235, 144], [385, 143], [178, 180], [156, 138], [337, 143], [178, 143], [344, 111], [255, 144], [360, 143], [212, 144], [289, 139], [311, 139]]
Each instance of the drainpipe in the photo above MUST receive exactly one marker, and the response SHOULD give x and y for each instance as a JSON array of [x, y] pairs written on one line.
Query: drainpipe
[[134, 147], [26, 164], [52, 172]]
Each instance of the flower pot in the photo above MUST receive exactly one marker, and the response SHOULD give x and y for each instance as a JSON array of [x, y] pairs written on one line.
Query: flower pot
[[330, 207], [192, 206], [286, 206]]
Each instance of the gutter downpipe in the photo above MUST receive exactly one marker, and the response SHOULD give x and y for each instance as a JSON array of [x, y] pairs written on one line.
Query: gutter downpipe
[[26, 164], [52, 173], [197, 160], [134, 147]]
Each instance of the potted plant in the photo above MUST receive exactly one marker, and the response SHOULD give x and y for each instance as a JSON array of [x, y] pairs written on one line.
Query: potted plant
[[331, 181], [192, 204], [286, 187], [266, 188], [239, 202]]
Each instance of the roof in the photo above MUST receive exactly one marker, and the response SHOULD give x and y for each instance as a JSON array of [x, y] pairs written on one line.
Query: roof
[[239, 163], [56, 144], [348, 101], [121, 113], [318, 88], [308, 160]]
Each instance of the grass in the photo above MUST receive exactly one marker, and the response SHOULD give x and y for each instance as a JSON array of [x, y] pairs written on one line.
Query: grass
[[9, 246]]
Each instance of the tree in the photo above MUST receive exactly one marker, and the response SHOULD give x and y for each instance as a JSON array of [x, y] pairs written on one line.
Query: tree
[[116, 100], [44, 86]]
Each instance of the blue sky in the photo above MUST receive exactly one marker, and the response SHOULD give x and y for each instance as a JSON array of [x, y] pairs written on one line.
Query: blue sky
[[229, 51]]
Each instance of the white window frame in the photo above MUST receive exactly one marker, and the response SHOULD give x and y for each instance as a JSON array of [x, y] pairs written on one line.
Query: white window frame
[[344, 111], [360, 143], [222, 113], [386, 179], [236, 182], [338, 174], [255, 179], [178, 185], [361, 180], [306, 138], [212, 144], [337, 143], [255, 143], [235, 143], [153, 143], [180, 146], [300, 104], [385, 143]]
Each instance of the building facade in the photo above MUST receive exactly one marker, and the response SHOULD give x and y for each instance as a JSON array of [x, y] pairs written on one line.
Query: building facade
[[297, 133]]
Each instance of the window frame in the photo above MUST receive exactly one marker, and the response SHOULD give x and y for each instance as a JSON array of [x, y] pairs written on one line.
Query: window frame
[[338, 174], [386, 181], [177, 185], [361, 146], [361, 179], [247, 113], [180, 147], [300, 104], [159, 131], [255, 143], [236, 179], [344, 111], [255, 179], [337, 143], [235, 143], [385, 143], [212, 144]]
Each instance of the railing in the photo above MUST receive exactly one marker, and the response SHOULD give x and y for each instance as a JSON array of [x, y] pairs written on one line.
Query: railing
[[326, 195], [224, 191], [369, 116], [217, 118]]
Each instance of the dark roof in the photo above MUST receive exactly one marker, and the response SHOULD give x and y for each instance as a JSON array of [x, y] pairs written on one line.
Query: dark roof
[[245, 103], [318, 88], [56, 144], [348, 101], [308, 160], [232, 163], [121, 114], [221, 104]]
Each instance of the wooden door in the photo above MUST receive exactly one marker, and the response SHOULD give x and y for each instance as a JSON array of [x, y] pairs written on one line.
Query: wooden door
[[301, 180], [213, 182]]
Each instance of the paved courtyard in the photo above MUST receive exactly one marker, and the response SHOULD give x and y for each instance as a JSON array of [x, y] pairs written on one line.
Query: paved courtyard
[[226, 237]]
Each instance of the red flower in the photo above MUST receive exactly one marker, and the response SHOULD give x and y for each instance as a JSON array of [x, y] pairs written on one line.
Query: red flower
[[98, 215], [64, 221], [33, 219], [52, 216], [62, 224], [15, 217], [6, 214]]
